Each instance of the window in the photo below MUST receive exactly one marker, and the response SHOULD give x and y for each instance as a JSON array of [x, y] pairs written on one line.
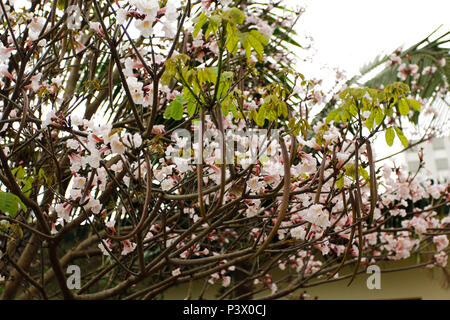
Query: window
[[438, 143], [442, 164]]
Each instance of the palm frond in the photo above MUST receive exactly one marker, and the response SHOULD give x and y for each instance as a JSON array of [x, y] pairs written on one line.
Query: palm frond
[[425, 53]]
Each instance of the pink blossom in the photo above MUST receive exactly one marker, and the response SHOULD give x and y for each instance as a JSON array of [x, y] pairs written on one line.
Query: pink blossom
[[35, 27], [411, 70], [226, 281], [158, 129], [316, 215], [298, 232], [102, 247], [121, 16], [96, 27], [441, 242], [176, 272], [128, 247], [394, 59], [94, 205], [116, 145], [441, 259], [63, 211], [5, 53]]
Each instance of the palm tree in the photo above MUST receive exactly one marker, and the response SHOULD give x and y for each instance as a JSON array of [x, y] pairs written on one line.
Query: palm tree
[[432, 57]]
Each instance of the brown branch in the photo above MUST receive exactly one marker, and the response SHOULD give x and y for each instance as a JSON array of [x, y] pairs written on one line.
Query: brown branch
[[284, 200]]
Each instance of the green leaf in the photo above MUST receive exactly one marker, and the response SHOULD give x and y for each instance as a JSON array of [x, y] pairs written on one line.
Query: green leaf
[[284, 109], [169, 72], [19, 172], [175, 109], [227, 75], [211, 75], [234, 111], [190, 108], [378, 116], [363, 173], [403, 107], [261, 116], [257, 41], [232, 39], [340, 182], [28, 186], [214, 23], [401, 136], [393, 101], [337, 118], [343, 94], [414, 104], [9, 203], [21, 204], [236, 16], [243, 38], [263, 39], [350, 170], [389, 112], [225, 108], [62, 4], [168, 112], [200, 21], [390, 135], [331, 116], [256, 45], [291, 123], [370, 119], [41, 175]]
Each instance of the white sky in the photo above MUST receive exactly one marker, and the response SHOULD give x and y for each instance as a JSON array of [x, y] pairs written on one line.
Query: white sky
[[350, 33]]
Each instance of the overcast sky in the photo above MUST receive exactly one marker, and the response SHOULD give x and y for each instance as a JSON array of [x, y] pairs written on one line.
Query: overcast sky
[[349, 33]]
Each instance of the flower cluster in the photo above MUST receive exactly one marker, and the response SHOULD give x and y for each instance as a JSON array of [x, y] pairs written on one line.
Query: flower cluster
[[169, 143]]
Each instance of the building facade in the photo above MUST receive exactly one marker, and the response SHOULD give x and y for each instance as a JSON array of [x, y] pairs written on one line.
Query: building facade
[[436, 157]]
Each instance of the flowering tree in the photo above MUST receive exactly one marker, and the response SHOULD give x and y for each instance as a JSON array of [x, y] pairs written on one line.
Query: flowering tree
[[153, 143]]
